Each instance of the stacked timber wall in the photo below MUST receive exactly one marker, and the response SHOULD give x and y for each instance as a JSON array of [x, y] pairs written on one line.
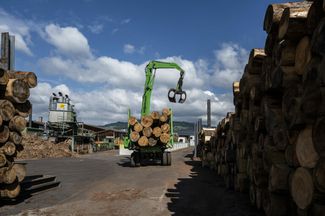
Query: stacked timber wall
[[14, 109], [273, 146]]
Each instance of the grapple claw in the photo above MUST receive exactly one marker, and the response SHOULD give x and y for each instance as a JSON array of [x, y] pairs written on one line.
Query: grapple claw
[[172, 96]]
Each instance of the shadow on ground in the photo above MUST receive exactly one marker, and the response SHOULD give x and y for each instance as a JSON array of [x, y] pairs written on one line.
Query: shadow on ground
[[204, 193]]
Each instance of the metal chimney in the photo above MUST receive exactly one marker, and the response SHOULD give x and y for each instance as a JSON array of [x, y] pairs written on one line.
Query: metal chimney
[[209, 113]]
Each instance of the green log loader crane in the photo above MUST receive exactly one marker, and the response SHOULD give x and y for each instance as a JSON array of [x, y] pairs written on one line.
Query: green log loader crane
[[157, 152]]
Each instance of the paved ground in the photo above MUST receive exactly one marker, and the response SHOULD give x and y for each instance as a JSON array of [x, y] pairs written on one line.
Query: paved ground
[[104, 184]]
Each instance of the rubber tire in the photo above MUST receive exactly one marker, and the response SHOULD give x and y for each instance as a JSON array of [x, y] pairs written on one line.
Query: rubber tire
[[137, 159], [169, 158], [164, 159], [132, 161]]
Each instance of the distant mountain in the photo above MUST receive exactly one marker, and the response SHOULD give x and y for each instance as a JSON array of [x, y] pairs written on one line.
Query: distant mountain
[[180, 127]]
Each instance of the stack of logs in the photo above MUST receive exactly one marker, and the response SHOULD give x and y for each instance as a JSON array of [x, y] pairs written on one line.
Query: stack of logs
[[274, 144], [14, 108], [152, 130]]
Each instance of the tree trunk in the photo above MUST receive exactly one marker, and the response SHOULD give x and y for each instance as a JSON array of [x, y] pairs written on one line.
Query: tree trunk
[[23, 109], [302, 187], [20, 170], [7, 175], [132, 120], [155, 116], [167, 112], [4, 133], [163, 118], [17, 91], [165, 128], [275, 205], [273, 15], [318, 136], [318, 39], [143, 141], [164, 138], [152, 141], [10, 191], [306, 153], [255, 61], [278, 178], [29, 77], [291, 157], [15, 137], [7, 110], [4, 77], [147, 131], [286, 53], [302, 55], [3, 160], [292, 24], [17, 123], [315, 14], [157, 132], [146, 121], [138, 127], [134, 136], [8, 148]]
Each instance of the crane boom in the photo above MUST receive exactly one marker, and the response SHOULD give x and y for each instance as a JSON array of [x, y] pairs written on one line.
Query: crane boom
[[150, 78]]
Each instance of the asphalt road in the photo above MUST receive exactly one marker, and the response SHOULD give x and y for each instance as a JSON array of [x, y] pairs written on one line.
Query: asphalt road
[[104, 184]]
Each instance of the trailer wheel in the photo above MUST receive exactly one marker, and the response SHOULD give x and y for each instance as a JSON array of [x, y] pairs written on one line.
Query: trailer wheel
[[164, 159], [132, 161], [169, 158]]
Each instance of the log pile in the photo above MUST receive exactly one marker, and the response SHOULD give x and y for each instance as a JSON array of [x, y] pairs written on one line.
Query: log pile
[[151, 130], [278, 129], [14, 108]]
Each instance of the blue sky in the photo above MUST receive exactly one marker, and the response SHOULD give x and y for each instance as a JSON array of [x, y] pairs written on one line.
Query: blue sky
[[80, 47]]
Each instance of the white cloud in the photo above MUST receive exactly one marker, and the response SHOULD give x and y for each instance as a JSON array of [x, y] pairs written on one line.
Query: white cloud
[[96, 28], [128, 48], [126, 21], [68, 41], [17, 27], [229, 65]]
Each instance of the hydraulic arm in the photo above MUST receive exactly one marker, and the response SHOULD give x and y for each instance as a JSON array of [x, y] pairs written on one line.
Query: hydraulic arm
[[173, 93]]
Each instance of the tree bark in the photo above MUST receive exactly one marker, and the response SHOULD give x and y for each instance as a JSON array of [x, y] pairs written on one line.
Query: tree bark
[[302, 187], [7, 110], [291, 156], [17, 91], [286, 53], [305, 150], [255, 61], [17, 123]]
